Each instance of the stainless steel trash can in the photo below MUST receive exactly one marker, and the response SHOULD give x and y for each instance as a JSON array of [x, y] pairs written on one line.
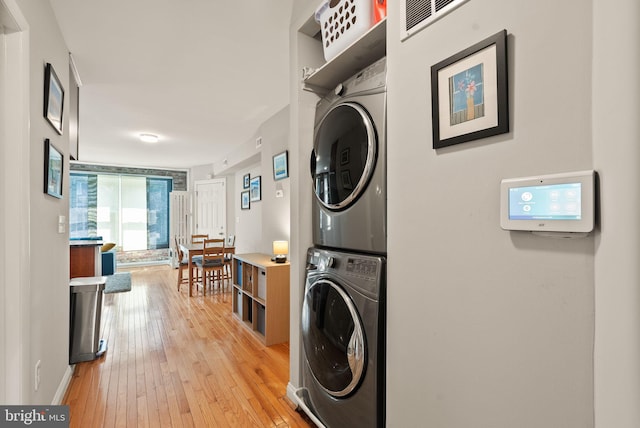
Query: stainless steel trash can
[[84, 321]]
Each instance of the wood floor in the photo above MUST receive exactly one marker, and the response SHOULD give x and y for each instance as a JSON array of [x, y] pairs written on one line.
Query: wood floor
[[175, 361]]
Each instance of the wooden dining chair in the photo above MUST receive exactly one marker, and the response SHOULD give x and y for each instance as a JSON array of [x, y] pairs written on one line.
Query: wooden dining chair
[[197, 239], [229, 243], [211, 266], [183, 265], [228, 259]]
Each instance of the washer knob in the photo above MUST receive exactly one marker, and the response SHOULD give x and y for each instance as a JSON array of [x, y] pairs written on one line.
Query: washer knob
[[331, 262], [339, 90]]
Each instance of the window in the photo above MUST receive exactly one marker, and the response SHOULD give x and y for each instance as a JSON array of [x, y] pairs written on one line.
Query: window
[[132, 211]]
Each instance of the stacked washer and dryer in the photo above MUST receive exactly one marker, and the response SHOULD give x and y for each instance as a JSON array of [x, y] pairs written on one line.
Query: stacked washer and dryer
[[343, 313]]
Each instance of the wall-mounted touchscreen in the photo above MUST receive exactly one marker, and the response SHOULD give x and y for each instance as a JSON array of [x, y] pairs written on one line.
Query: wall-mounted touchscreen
[[554, 203]]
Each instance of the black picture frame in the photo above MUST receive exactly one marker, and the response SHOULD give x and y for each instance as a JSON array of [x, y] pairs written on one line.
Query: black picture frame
[[53, 170], [53, 98], [256, 188], [245, 181], [281, 166], [469, 93], [245, 200]]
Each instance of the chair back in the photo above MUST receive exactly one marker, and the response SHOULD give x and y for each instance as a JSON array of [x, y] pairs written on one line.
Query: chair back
[[213, 251], [179, 252], [197, 239]]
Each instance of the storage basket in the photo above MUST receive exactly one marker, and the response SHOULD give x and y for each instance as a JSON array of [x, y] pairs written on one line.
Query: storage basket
[[342, 22]]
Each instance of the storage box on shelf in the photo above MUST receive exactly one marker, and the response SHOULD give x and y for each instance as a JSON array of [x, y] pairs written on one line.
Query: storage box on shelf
[[260, 296], [342, 22]]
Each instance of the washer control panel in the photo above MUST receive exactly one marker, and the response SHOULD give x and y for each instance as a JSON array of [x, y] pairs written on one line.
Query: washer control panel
[[362, 268]]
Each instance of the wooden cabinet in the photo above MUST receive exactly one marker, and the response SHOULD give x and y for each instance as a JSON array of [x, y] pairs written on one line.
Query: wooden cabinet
[[261, 296], [85, 259]]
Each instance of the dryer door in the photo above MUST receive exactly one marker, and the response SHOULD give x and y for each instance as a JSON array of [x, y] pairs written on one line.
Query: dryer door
[[344, 155], [333, 338]]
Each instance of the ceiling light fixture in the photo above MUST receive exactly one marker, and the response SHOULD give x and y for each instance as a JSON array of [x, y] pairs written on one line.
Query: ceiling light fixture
[[149, 138]]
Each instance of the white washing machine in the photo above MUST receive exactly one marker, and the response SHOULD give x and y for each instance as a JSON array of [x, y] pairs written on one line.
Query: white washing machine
[[348, 164], [343, 338]]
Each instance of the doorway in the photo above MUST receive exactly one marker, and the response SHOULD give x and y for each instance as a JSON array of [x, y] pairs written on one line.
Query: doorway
[[211, 207], [14, 197]]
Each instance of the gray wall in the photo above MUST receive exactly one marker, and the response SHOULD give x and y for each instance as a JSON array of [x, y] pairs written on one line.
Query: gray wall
[[268, 219], [488, 328], [616, 133], [46, 315], [306, 51]]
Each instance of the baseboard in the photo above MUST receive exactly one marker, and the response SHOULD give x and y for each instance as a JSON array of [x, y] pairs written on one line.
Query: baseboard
[[298, 402], [62, 388], [291, 395]]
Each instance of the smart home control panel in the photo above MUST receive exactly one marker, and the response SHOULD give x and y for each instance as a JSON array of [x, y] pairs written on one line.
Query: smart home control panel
[[549, 203]]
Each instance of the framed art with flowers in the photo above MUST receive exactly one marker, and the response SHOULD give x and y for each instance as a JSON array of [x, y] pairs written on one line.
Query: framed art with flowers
[[469, 93]]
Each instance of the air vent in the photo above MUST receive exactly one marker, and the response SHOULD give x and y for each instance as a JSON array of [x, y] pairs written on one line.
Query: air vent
[[420, 13], [417, 11]]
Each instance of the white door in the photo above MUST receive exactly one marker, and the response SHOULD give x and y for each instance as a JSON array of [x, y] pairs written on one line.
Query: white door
[[211, 207]]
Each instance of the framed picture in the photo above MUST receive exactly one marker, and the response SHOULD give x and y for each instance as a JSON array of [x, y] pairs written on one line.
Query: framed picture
[[255, 188], [53, 169], [53, 98], [281, 166], [245, 181], [469, 93], [245, 203]]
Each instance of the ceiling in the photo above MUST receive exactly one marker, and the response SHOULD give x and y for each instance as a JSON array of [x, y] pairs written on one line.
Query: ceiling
[[201, 74]]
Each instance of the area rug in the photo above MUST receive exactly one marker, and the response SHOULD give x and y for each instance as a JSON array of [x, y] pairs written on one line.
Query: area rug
[[118, 283]]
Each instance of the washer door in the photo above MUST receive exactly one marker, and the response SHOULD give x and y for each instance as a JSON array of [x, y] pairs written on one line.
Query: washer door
[[344, 155], [333, 338]]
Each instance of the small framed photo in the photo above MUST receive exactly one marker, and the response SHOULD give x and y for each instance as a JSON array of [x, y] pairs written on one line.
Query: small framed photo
[[255, 189], [53, 170], [53, 98], [281, 166], [245, 181], [469, 93], [245, 202]]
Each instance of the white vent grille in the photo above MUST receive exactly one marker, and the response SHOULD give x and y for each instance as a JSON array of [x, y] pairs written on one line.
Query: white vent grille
[[420, 13], [417, 11]]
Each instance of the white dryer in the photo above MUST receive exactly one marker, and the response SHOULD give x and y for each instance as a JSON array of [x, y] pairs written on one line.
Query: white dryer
[[348, 164]]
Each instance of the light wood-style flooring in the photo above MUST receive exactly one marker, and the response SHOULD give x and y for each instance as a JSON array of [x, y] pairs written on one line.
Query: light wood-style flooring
[[175, 361]]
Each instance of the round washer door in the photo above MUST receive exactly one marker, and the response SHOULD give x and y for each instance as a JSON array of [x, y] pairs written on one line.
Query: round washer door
[[333, 338], [344, 155]]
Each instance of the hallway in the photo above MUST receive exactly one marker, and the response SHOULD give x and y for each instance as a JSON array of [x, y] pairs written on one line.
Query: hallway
[[176, 361]]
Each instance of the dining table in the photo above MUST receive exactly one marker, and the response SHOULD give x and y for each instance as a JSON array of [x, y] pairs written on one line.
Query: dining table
[[191, 250]]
